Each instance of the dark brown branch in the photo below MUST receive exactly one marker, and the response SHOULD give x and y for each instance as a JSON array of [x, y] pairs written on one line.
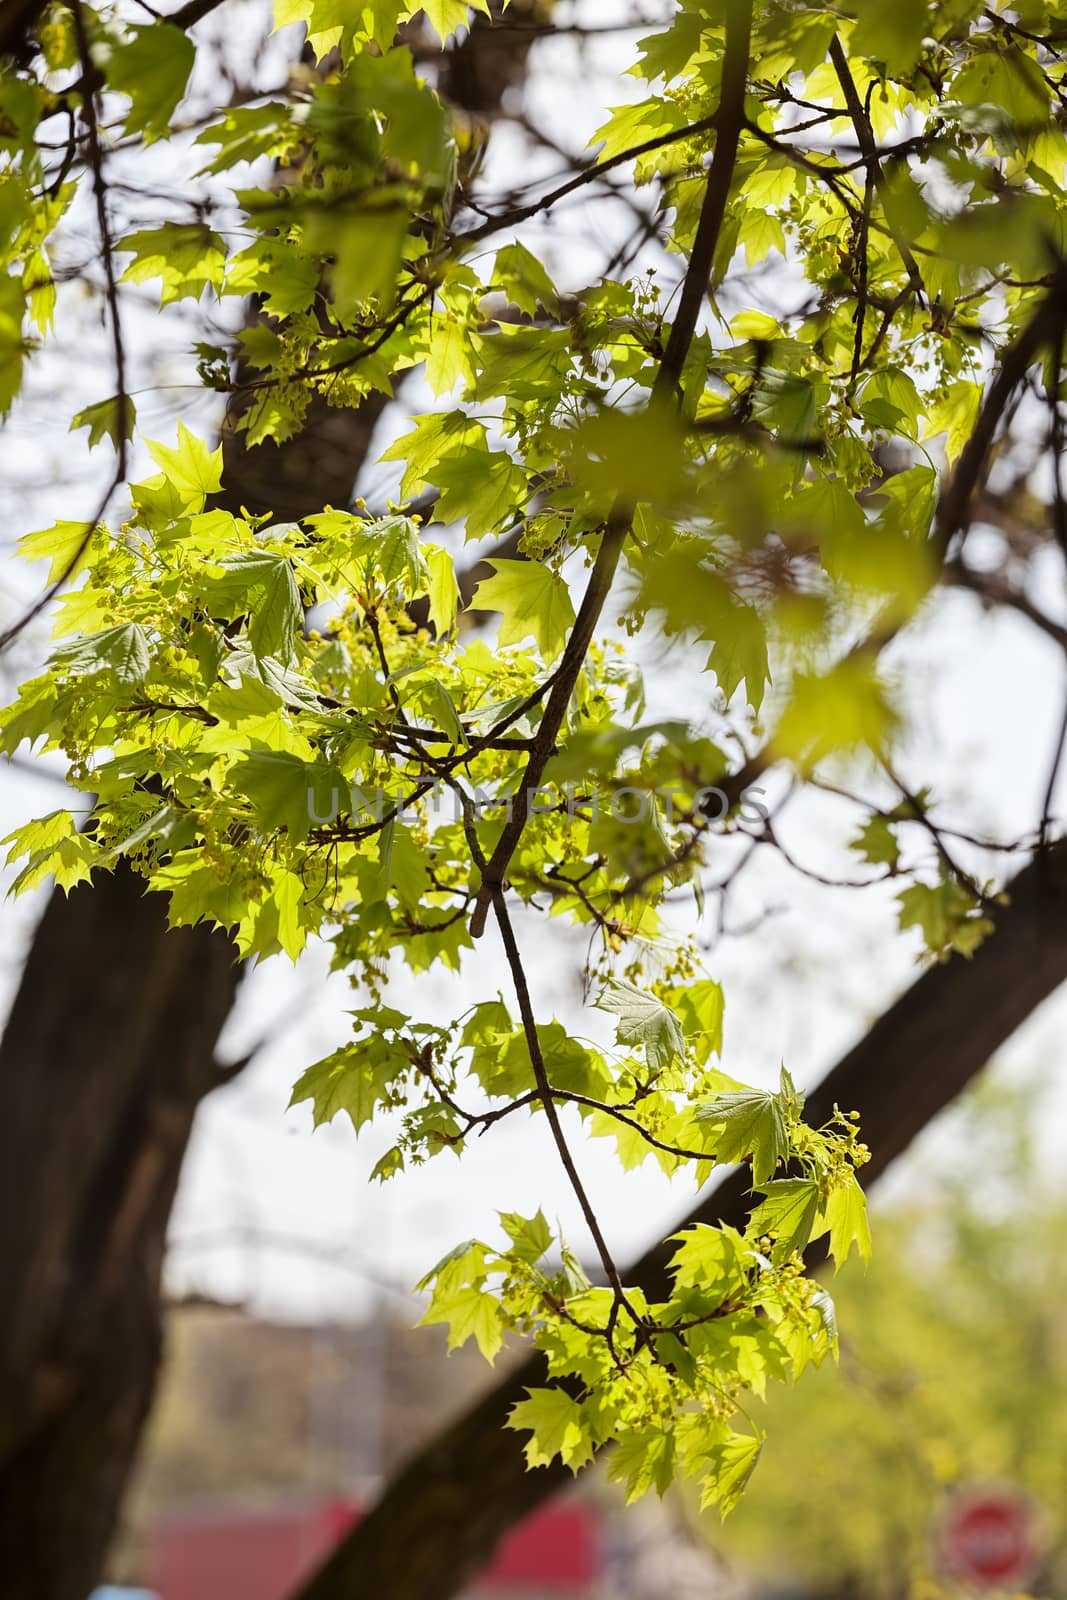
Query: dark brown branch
[[872, 157], [729, 121], [994, 590], [544, 1092], [591, 174], [1043, 325]]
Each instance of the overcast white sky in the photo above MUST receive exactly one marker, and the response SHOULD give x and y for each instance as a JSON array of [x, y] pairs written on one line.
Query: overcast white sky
[[985, 694]]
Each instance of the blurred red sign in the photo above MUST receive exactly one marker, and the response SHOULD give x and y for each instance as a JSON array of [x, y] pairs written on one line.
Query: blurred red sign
[[989, 1536]]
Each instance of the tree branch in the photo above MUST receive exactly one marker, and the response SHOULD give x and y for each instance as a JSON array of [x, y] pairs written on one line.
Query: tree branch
[[440, 1519], [729, 120]]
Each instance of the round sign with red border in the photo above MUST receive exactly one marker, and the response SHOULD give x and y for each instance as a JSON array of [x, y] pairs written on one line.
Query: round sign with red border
[[989, 1536]]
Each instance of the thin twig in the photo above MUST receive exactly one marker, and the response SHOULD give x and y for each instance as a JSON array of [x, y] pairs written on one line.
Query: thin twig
[[96, 167]]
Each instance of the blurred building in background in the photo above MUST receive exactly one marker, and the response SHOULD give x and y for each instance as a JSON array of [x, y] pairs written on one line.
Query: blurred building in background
[[221, 1554], [270, 1438]]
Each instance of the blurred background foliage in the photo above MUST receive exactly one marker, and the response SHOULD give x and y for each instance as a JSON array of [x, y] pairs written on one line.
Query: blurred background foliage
[[953, 1370]]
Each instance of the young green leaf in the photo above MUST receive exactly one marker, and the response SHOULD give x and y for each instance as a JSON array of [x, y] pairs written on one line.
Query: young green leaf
[[749, 1123], [644, 1020], [533, 603]]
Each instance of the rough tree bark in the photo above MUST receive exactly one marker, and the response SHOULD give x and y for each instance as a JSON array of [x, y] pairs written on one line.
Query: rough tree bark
[[441, 1517], [107, 1053], [105, 1058]]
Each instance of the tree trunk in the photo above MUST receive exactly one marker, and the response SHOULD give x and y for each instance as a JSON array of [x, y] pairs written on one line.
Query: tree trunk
[[107, 1053], [441, 1517]]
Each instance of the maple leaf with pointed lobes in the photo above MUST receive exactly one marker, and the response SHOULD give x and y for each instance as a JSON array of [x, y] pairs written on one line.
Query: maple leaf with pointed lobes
[[286, 790], [751, 1122], [533, 603], [877, 843], [644, 1020], [187, 257], [445, 16], [845, 1218], [480, 489], [732, 1463], [739, 654], [530, 1236], [788, 1210], [353, 1079], [644, 1459], [557, 1427], [524, 279], [64, 546], [122, 652], [436, 437], [153, 68], [107, 419], [193, 469], [710, 1257], [700, 1007]]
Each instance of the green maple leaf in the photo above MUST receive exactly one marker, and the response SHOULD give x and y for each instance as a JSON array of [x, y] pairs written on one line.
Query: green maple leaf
[[365, 242], [341, 22], [396, 554], [732, 1463], [445, 16], [533, 603], [469, 1313], [442, 589], [788, 1209], [286, 790], [121, 651], [480, 488], [64, 546], [557, 1427], [339, 1082], [530, 1236], [13, 347], [461, 1302], [262, 581], [190, 466], [877, 843], [751, 1122], [69, 862], [947, 914], [524, 279], [187, 257], [644, 1020], [152, 68], [448, 358], [739, 654], [436, 437], [711, 1259], [643, 1459], [700, 1008], [55, 849], [107, 420], [846, 1218]]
